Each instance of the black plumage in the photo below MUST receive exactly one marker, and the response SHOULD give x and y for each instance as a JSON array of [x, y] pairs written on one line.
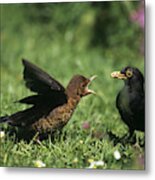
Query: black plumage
[[130, 101]]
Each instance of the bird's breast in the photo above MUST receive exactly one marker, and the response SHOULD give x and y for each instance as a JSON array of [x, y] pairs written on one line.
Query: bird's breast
[[124, 101], [56, 119]]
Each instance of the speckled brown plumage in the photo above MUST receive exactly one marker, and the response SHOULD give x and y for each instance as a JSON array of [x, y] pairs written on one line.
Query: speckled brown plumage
[[52, 106]]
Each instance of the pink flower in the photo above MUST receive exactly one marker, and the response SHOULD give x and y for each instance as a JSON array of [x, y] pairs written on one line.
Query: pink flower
[[141, 160], [86, 125], [138, 16]]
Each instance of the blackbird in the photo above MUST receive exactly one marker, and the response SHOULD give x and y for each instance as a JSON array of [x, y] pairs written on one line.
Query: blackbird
[[130, 101], [52, 106]]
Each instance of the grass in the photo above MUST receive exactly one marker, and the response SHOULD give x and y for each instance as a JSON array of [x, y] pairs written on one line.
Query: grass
[[76, 146]]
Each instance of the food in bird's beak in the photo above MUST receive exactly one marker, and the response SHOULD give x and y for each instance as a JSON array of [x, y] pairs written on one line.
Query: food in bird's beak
[[118, 75]]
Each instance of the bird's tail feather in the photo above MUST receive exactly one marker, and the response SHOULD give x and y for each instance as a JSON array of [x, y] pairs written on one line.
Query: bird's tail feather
[[4, 119]]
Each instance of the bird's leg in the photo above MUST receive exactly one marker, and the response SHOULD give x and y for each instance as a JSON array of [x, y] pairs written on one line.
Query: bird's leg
[[124, 139], [127, 138], [113, 137], [36, 139], [132, 136], [139, 143], [131, 132]]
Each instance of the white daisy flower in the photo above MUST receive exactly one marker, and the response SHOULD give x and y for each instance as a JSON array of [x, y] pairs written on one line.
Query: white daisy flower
[[75, 160], [117, 155], [95, 164], [2, 134], [39, 164]]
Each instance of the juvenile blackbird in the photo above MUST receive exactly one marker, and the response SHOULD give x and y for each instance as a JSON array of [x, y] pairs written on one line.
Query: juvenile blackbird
[[52, 106], [130, 101]]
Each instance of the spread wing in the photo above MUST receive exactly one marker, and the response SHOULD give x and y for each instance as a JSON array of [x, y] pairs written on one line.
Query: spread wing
[[39, 81], [50, 94]]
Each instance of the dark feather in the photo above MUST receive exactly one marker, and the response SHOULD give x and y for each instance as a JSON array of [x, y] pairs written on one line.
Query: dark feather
[[25, 117], [42, 105], [4, 119], [39, 81], [53, 99]]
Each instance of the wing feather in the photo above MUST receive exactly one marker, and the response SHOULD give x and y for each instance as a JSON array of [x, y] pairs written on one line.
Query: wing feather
[[39, 81]]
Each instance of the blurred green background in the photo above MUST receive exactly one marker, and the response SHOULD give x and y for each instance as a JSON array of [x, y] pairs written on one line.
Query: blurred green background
[[112, 27], [65, 39]]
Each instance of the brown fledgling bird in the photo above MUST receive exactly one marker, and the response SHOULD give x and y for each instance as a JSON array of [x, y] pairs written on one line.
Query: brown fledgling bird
[[52, 106]]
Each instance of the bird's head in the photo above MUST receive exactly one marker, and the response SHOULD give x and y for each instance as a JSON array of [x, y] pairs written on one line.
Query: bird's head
[[79, 86], [129, 74]]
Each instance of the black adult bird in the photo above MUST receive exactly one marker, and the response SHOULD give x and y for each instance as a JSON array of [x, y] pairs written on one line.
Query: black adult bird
[[130, 101]]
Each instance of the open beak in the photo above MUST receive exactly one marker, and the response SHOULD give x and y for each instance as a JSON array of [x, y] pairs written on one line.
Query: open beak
[[118, 75], [89, 91]]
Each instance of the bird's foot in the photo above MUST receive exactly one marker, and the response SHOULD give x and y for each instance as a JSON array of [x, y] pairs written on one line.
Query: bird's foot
[[36, 140], [113, 138], [137, 146]]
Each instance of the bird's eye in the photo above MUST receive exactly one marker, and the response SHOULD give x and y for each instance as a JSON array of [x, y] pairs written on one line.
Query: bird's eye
[[83, 85], [129, 73]]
